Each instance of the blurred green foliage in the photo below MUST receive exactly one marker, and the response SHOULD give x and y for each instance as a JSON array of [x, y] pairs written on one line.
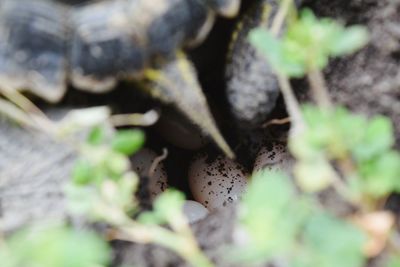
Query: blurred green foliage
[[54, 246], [308, 44]]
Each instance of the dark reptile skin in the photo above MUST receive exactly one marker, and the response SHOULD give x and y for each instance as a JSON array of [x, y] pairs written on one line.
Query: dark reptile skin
[[252, 89], [44, 43]]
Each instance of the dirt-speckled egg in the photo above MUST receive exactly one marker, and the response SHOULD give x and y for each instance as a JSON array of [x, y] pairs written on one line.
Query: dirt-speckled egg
[[194, 211], [216, 182], [273, 156], [142, 162]]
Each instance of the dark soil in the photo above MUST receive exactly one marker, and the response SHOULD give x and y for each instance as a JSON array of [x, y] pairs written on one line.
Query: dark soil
[[367, 82]]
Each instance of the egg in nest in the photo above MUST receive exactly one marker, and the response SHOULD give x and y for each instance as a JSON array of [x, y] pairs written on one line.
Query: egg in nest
[[216, 182]]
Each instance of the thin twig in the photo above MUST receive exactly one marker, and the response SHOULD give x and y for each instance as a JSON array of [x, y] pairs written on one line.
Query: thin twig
[[276, 122], [16, 114], [20, 100], [292, 105], [27, 106], [279, 18], [182, 244], [319, 89], [347, 166], [135, 119], [341, 188], [157, 161]]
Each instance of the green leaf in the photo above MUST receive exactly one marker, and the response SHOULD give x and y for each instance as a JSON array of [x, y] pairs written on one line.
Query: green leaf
[[338, 135], [302, 147], [394, 261], [83, 172], [270, 215], [56, 246], [307, 44], [350, 40], [7, 258], [168, 204], [381, 175], [151, 217], [128, 142], [332, 242], [96, 136], [332, 133], [81, 199], [314, 176], [167, 208], [126, 188], [116, 164], [272, 49], [377, 138]]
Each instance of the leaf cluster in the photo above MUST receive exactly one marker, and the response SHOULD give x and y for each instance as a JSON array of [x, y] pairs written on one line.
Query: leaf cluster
[[341, 136], [308, 44], [102, 183], [289, 226], [55, 246]]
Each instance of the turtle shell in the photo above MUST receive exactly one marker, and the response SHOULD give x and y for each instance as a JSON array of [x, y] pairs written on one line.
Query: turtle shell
[[114, 39], [44, 44], [33, 47]]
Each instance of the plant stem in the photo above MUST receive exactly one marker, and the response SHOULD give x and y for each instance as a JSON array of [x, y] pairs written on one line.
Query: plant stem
[[32, 111], [279, 18], [15, 113], [156, 162], [183, 245], [276, 122], [292, 105], [319, 89], [135, 119], [342, 189]]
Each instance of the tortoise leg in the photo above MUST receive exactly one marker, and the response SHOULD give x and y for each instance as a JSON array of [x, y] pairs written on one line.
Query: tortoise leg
[[33, 47], [176, 83], [251, 86]]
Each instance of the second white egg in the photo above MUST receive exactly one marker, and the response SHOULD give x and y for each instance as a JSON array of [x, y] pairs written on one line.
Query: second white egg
[[216, 183]]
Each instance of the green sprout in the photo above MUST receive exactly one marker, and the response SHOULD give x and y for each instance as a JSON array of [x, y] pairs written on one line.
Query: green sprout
[[308, 43], [270, 214], [332, 146], [364, 145], [305, 48], [360, 149], [289, 226], [327, 241], [55, 246], [103, 189]]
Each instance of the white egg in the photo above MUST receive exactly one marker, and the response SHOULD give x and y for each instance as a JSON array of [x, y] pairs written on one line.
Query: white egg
[[194, 211], [217, 183], [274, 156], [141, 162]]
